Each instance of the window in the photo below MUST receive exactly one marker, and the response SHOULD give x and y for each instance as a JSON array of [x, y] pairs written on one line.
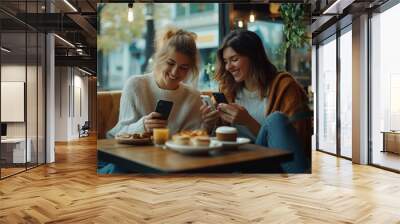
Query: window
[[271, 34], [385, 84], [346, 93], [22, 68], [314, 90], [201, 7], [126, 49], [327, 96], [181, 9]]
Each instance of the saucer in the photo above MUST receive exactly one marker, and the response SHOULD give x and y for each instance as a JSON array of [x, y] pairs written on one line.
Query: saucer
[[191, 149], [239, 141]]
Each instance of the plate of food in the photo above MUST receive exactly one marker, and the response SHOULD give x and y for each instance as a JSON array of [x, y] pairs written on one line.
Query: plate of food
[[134, 139], [196, 145], [192, 142]]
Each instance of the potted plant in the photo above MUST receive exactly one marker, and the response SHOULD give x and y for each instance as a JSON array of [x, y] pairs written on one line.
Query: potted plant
[[294, 29]]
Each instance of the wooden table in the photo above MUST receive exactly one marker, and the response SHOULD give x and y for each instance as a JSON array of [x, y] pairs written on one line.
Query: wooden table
[[248, 158]]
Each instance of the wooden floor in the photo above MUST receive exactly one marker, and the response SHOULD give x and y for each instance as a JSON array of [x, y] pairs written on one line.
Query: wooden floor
[[10, 171], [70, 191], [5, 172], [387, 159]]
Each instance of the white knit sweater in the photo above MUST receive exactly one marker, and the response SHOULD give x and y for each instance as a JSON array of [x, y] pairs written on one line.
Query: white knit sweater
[[139, 98]]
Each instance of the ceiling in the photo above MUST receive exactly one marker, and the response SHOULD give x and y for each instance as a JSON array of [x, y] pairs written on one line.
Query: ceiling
[[78, 27], [332, 14]]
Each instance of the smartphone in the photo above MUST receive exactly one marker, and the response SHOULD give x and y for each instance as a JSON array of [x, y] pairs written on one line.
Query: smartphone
[[164, 108], [220, 98], [207, 101]]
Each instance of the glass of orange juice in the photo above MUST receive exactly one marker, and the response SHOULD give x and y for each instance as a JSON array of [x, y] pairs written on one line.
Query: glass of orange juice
[[160, 136]]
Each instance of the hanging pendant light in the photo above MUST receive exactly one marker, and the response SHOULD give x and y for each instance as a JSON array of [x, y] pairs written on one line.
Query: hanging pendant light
[[240, 24], [252, 17], [130, 12]]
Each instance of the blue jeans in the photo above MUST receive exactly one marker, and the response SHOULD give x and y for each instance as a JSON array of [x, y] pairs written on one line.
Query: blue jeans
[[277, 132]]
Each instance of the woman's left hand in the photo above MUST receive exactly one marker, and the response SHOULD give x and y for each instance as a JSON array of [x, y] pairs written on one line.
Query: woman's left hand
[[234, 113], [209, 117]]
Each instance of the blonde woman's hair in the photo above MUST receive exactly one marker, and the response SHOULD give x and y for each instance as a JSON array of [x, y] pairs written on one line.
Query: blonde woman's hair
[[174, 39]]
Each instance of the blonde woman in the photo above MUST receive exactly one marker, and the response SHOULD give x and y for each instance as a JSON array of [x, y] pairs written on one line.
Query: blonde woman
[[176, 60]]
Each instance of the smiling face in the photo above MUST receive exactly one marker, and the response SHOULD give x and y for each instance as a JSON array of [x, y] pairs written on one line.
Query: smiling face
[[173, 70], [237, 65]]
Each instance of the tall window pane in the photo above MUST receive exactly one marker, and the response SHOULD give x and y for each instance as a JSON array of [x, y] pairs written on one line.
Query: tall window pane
[[15, 151], [31, 98], [385, 84], [327, 96], [41, 99], [346, 94]]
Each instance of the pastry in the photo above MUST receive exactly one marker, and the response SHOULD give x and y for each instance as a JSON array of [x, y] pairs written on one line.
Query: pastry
[[193, 133], [181, 139], [200, 141]]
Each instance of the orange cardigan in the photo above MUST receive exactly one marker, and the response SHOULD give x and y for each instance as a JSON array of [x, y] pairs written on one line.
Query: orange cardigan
[[287, 96]]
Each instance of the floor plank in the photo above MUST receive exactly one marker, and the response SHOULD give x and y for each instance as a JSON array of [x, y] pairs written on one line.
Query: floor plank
[[70, 191]]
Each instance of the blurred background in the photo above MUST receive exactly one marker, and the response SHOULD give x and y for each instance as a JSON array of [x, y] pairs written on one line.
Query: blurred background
[[126, 35]]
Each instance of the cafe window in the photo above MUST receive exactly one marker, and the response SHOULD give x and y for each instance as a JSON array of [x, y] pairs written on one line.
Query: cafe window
[[334, 77], [327, 96], [126, 48], [385, 89], [201, 7], [346, 92], [181, 9]]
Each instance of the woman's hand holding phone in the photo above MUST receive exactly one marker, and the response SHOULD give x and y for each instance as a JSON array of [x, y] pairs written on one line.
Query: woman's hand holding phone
[[209, 116], [153, 120], [234, 113]]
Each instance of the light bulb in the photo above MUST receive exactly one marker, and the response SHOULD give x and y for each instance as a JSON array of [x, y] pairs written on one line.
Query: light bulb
[[251, 18], [240, 23], [130, 12]]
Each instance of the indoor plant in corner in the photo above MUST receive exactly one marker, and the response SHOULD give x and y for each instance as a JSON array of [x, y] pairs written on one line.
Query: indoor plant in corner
[[294, 29]]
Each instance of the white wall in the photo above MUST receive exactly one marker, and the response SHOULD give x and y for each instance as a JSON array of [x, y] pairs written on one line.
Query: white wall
[[82, 83], [13, 73], [70, 84], [33, 126], [61, 103]]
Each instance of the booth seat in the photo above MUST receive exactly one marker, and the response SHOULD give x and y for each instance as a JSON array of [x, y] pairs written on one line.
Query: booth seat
[[108, 110]]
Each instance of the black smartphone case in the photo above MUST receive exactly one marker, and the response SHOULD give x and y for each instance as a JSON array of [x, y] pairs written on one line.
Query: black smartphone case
[[164, 108], [220, 98]]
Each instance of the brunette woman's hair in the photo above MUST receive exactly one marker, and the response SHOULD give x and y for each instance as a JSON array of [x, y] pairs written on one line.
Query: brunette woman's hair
[[262, 71]]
